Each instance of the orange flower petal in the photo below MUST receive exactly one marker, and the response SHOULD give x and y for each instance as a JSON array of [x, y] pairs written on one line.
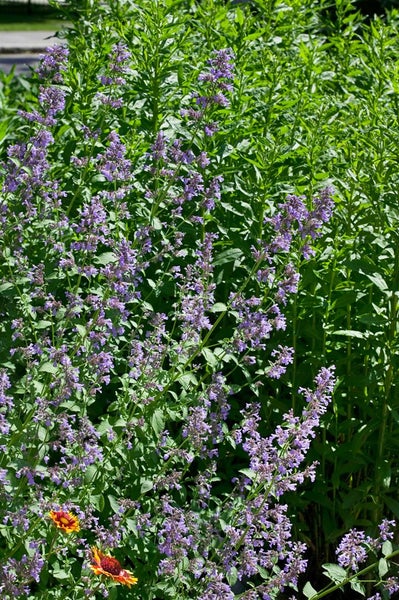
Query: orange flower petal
[[112, 568], [66, 521]]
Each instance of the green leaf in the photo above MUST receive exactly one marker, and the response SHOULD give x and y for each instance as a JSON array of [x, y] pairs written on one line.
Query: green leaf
[[230, 255], [98, 501], [157, 421], [378, 281], [334, 572], [60, 574], [146, 485], [350, 333], [113, 503], [188, 380], [239, 16], [48, 367], [105, 258], [218, 307], [358, 587], [308, 590], [383, 567], [248, 473], [209, 357], [387, 548]]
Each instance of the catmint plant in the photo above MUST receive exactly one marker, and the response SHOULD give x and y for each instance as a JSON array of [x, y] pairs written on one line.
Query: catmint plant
[[137, 457]]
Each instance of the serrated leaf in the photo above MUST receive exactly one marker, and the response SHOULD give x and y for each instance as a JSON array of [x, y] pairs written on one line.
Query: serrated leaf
[[187, 380], [209, 357], [231, 576], [48, 367], [157, 421], [146, 486], [334, 572], [113, 503], [358, 587], [378, 281], [309, 590], [383, 567], [98, 501], [387, 548], [81, 330], [105, 258], [248, 473], [349, 333], [60, 574], [218, 307], [228, 256]]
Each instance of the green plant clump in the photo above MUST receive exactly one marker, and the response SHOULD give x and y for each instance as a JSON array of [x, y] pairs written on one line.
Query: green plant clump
[[199, 281]]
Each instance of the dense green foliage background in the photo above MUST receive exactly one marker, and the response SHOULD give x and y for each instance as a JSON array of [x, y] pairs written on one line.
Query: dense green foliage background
[[315, 103]]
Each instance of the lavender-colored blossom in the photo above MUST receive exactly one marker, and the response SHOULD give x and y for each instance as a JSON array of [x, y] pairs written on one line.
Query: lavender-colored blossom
[[17, 575], [5, 384], [217, 590], [92, 226], [255, 324], [222, 67], [283, 356], [112, 163], [101, 364], [196, 291], [391, 585], [212, 193], [159, 147], [53, 64], [287, 283], [352, 550], [52, 100], [175, 536], [119, 58], [118, 65], [216, 78], [267, 461], [293, 218], [386, 529], [27, 164], [197, 429]]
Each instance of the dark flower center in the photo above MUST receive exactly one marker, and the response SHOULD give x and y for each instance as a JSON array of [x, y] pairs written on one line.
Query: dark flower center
[[111, 565]]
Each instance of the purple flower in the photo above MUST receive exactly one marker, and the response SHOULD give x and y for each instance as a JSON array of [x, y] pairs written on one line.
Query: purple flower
[[216, 78], [352, 551], [386, 529], [283, 356], [5, 384], [53, 64], [294, 216], [52, 100], [119, 58], [221, 67], [113, 164], [175, 537]]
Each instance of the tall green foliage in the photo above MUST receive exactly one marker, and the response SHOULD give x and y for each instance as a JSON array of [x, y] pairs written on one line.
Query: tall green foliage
[[315, 103]]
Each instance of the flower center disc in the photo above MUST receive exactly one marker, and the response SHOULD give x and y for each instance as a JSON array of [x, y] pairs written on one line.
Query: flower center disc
[[111, 565]]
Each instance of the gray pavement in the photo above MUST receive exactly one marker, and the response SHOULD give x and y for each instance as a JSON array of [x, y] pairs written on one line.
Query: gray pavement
[[23, 48], [16, 42]]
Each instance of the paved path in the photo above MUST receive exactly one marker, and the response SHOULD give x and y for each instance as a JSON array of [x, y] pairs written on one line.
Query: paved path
[[25, 41], [22, 48]]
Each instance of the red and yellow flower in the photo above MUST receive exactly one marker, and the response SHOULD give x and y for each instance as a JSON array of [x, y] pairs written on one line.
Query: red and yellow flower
[[111, 567], [66, 521]]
